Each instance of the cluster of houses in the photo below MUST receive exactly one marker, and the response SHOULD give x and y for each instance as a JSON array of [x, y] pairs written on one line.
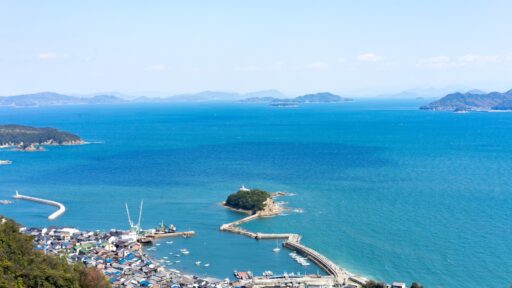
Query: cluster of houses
[[117, 255]]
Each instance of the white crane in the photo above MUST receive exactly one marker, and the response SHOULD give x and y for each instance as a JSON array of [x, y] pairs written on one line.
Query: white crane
[[134, 228]]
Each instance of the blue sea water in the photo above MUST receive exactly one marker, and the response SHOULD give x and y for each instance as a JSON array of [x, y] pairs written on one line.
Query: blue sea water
[[388, 191]]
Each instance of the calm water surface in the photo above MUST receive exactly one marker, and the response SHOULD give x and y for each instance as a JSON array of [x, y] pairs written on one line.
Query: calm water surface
[[388, 191]]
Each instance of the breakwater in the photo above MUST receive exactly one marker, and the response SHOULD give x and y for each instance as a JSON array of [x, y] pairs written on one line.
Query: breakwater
[[52, 216], [292, 242]]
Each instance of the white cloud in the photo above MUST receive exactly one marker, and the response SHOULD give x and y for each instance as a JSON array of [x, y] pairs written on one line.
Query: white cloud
[[156, 67], [436, 62], [369, 57], [47, 56], [443, 62], [477, 58], [318, 65]]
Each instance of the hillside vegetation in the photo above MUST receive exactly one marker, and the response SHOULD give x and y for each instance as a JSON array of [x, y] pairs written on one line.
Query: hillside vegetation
[[21, 266], [26, 135]]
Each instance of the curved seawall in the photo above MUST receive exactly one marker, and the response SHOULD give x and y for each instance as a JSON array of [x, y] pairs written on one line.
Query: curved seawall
[[52, 216]]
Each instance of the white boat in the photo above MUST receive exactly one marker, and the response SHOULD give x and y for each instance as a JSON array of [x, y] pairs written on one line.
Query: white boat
[[177, 261], [277, 248], [198, 263], [184, 251], [207, 265], [169, 242], [5, 162]]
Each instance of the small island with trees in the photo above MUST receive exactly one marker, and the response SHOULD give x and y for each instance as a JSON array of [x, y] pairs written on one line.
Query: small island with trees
[[26, 138], [252, 201]]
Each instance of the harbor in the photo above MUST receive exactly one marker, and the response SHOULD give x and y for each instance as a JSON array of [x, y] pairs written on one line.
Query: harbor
[[291, 241]]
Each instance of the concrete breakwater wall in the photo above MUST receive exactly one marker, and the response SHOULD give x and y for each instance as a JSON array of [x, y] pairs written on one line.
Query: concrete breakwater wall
[[52, 216], [292, 242]]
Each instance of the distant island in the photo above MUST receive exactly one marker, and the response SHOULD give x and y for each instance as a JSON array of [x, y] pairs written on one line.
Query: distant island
[[474, 100], [55, 99], [26, 138], [323, 97]]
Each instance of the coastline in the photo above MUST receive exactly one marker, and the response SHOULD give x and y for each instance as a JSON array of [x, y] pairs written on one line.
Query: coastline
[[37, 147], [292, 241]]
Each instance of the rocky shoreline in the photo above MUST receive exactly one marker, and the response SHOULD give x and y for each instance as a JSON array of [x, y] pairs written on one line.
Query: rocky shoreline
[[35, 147]]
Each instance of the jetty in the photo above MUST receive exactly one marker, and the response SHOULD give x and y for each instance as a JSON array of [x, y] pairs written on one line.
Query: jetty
[[52, 216], [185, 234], [292, 242]]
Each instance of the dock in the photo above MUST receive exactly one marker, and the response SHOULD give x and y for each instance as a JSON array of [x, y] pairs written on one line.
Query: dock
[[173, 234], [292, 242], [52, 216]]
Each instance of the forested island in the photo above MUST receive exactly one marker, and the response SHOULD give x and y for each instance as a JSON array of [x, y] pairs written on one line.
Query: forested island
[[248, 199], [474, 100], [22, 266], [28, 138]]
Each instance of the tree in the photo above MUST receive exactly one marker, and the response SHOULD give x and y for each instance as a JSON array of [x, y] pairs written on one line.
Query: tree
[[21, 266]]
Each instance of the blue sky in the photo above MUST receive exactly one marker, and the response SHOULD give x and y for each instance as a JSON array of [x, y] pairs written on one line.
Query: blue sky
[[348, 47]]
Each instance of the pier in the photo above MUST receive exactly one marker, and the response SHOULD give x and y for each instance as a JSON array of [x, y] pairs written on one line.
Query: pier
[[52, 216], [173, 234], [292, 242]]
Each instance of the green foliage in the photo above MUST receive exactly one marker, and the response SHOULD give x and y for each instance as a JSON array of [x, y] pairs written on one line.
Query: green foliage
[[248, 200], [16, 134], [21, 266], [416, 285]]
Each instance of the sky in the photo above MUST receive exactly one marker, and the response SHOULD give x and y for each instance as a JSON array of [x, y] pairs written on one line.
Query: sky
[[169, 47]]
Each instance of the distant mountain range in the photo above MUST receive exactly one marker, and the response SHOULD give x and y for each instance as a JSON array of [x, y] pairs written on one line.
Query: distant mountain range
[[324, 97], [55, 99], [474, 100]]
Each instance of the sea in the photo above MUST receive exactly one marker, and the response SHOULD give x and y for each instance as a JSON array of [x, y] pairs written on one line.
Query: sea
[[380, 187]]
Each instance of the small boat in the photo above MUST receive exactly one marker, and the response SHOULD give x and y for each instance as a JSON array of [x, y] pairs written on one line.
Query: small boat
[[177, 261], [184, 251], [198, 263], [277, 248], [169, 242], [207, 265]]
